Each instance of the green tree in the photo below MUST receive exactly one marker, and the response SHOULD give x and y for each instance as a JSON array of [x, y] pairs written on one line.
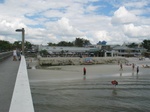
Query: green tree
[[5, 45], [80, 42], [51, 44], [64, 43], [28, 45], [17, 44], [70, 44], [146, 44], [132, 45], [44, 53]]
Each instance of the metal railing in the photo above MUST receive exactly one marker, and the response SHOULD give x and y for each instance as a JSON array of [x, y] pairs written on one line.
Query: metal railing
[[22, 99], [5, 55]]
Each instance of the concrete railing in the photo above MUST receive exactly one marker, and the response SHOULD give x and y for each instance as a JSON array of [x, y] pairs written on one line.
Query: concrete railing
[[22, 99], [5, 55]]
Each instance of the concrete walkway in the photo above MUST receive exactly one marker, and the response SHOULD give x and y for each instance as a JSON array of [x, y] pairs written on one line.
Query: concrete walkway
[[8, 73]]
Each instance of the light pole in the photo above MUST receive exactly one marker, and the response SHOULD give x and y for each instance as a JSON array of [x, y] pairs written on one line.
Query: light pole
[[23, 32]]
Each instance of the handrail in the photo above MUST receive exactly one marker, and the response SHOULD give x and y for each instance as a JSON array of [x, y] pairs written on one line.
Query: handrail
[[5, 55], [22, 99]]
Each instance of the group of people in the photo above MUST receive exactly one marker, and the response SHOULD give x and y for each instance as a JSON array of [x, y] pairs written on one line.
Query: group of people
[[146, 66], [16, 55], [114, 82], [133, 67]]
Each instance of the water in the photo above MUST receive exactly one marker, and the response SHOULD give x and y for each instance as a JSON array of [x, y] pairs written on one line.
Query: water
[[95, 94]]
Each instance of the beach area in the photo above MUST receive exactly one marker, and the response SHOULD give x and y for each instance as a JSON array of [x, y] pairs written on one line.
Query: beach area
[[65, 89], [73, 72]]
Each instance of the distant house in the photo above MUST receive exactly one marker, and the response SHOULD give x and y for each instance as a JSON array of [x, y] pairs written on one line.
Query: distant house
[[126, 51], [100, 50], [68, 50]]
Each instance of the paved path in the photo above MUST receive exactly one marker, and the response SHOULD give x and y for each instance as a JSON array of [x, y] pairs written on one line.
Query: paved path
[[8, 73]]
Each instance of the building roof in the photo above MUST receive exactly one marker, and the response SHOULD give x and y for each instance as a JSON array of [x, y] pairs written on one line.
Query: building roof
[[121, 47], [69, 49]]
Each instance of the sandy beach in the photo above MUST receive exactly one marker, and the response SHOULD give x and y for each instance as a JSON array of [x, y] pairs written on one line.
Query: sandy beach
[[73, 72]]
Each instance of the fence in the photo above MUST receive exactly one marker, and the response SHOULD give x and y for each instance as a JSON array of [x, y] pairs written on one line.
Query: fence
[[5, 55]]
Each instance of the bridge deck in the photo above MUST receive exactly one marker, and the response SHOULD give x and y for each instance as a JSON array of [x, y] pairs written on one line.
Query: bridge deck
[[8, 73]]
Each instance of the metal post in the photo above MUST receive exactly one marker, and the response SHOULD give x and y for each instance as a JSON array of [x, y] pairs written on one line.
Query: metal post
[[23, 32]]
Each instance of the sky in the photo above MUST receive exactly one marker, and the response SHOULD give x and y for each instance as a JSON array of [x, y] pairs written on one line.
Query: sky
[[44, 21]]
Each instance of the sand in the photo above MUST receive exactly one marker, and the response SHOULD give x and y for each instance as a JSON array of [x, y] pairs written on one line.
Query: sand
[[75, 72]]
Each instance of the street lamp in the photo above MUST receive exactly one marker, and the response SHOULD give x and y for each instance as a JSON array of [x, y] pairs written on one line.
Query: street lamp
[[23, 31]]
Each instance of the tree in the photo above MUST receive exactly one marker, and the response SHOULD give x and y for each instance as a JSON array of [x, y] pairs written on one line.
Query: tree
[[132, 45], [51, 44], [70, 44], [80, 42], [17, 44], [5, 46], [64, 43], [28, 45], [146, 44], [61, 43], [44, 53]]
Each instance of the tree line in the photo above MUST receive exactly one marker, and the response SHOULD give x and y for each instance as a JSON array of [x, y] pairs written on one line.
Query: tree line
[[78, 42], [7, 46]]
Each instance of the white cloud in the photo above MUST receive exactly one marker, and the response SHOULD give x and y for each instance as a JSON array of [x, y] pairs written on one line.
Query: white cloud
[[91, 8], [8, 38], [136, 4], [113, 37], [69, 19], [102, 35], [123, 16], [137, 31], [63, 28], [9, 25]]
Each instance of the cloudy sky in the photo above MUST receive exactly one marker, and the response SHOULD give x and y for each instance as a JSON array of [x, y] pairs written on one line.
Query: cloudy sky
[[115, 21]]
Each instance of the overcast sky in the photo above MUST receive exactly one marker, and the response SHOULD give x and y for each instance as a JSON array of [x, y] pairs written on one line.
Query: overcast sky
[[115, 21]]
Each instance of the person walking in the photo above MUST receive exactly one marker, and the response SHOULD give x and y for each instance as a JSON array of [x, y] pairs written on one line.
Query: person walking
[[14, 55], [19, 54], [84, 73]]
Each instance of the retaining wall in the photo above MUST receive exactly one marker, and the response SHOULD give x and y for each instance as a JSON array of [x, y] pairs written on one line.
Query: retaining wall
[[79, 61]]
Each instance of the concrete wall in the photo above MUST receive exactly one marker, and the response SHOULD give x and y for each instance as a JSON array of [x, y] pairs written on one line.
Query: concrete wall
[[5, 55], [22, 99]]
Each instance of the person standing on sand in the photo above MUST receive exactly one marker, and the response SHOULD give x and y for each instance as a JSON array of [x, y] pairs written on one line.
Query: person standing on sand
[[84, 71], [137, 69], [121, 68], [133, 66]]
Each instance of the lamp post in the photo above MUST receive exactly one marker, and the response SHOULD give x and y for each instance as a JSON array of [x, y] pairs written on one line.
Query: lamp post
[[23, 32]]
